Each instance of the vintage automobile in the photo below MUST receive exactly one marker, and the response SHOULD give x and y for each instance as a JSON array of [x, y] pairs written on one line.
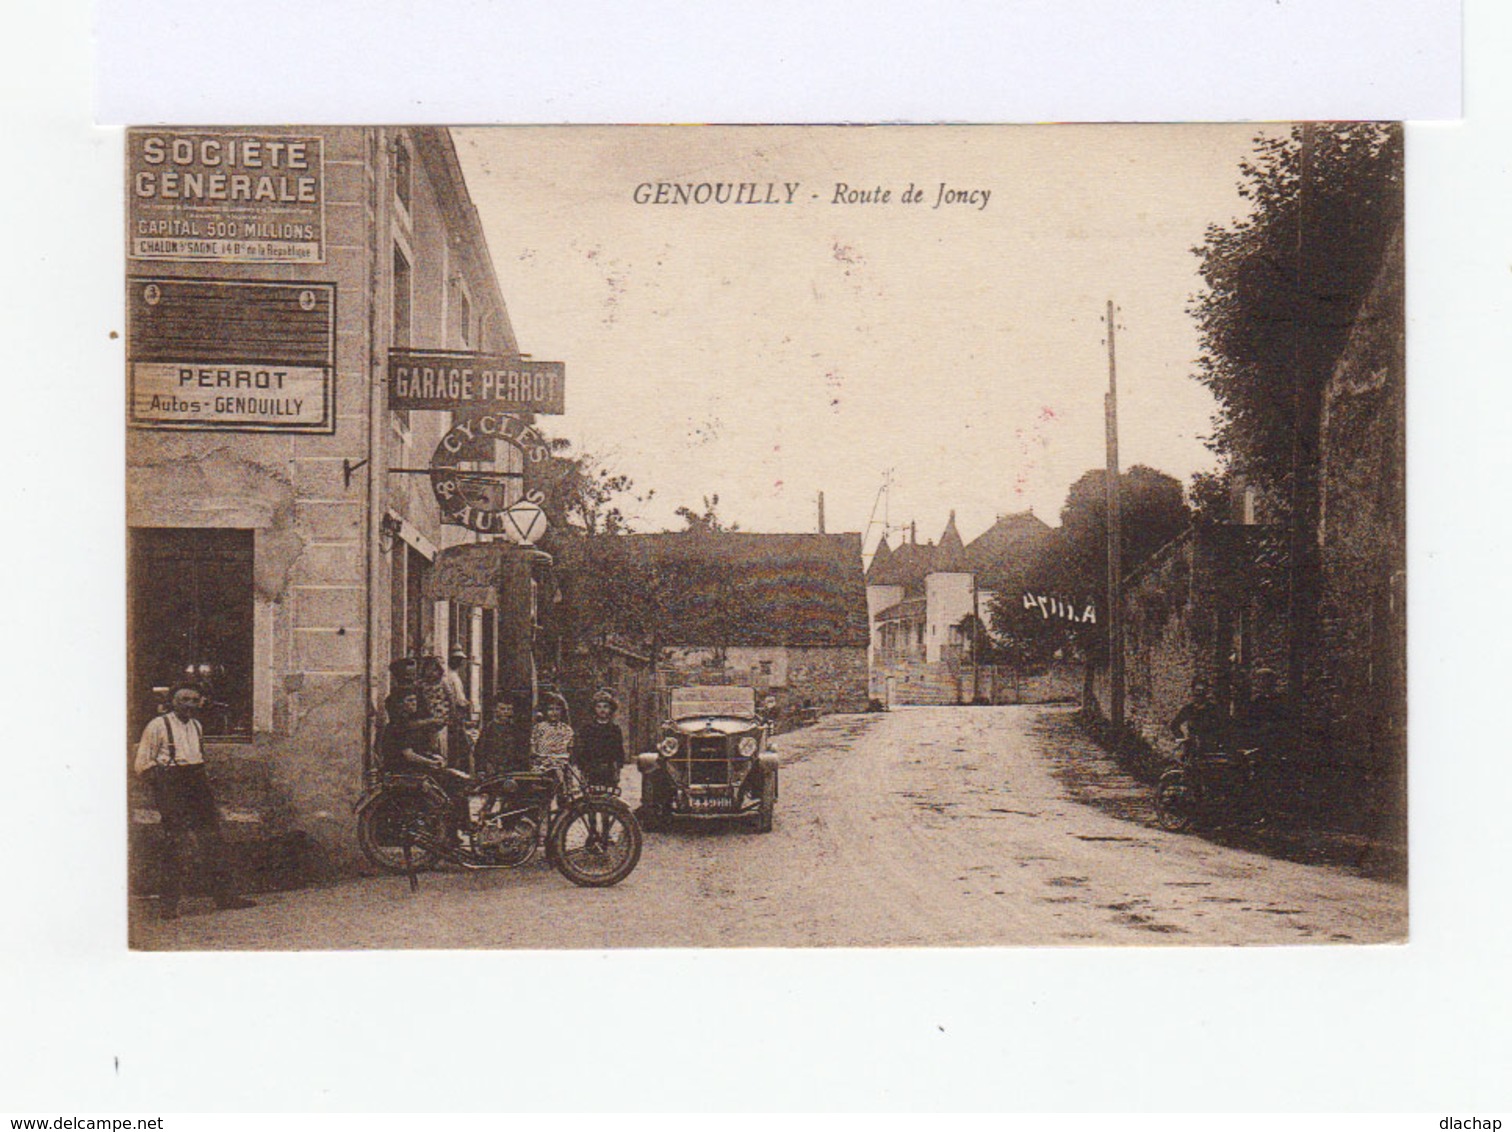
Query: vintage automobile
[[714, 760]]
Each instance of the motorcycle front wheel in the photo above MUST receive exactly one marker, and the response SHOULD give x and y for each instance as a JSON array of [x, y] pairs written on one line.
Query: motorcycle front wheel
[[595, 843], [384, 828], [1174, 802]]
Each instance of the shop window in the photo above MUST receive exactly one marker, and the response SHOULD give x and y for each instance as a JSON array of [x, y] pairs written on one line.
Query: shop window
[[190, 616], [411, 616]]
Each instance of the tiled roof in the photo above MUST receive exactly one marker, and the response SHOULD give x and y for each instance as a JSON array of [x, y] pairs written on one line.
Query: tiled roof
[[914, 609], [950, 555], [1002, 553]]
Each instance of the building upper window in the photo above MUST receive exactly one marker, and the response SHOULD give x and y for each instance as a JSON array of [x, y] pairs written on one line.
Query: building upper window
[[404, 179], [403, 312], [403, 298], [464, 313]]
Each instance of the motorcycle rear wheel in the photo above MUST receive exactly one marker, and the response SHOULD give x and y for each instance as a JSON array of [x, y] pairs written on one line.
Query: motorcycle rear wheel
[[595, 843], [1174, 803], [384, 828]]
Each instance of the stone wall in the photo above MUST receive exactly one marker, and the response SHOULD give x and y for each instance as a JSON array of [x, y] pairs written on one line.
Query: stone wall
[[296, 777], [904, 680], [829, 680], [1212, 604], [1362, 685]]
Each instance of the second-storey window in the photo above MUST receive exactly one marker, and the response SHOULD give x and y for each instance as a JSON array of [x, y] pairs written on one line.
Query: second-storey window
[[403, 310], [403, 178]]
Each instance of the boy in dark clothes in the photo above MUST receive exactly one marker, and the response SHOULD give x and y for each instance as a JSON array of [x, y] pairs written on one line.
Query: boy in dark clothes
[[601, 744]]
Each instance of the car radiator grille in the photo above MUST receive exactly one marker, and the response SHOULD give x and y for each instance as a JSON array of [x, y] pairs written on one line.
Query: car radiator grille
[[707, 762]]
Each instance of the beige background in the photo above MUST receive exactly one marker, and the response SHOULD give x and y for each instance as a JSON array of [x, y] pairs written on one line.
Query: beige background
[[1414, 1028], [768, 353]]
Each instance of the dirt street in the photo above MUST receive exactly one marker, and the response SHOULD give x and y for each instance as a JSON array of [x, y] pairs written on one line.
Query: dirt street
[[920, 827]]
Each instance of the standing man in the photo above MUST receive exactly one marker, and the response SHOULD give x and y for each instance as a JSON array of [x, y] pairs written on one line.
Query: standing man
[[458, 710], [171, 755]]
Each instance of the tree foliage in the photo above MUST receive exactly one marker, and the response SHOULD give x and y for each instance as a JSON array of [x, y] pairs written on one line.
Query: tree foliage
[[586, 498], [1284, 285], [635, 592], [707, 521], [1072, 565]]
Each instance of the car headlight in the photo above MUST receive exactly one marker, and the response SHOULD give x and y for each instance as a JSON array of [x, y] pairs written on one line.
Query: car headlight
[[668, 745], [747, 746]]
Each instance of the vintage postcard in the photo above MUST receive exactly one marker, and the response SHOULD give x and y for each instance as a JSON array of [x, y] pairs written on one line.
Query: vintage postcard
[[810, 536]]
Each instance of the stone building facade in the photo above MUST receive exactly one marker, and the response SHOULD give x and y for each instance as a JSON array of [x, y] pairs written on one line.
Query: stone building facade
[[1361, 687], [280, 551], [921, 597], [1210, 605]]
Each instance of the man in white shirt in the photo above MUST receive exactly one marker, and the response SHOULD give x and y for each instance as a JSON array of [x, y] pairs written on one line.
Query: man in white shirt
[[172, 756], [458, 709]]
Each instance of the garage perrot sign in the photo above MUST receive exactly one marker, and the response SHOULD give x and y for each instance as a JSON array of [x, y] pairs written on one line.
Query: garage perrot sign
[[481, 501]]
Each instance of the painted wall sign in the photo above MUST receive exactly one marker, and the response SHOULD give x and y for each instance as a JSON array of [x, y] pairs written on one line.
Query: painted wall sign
[[227, 196], [483, 502], [236, 356], [1062, 608], [462, 382]]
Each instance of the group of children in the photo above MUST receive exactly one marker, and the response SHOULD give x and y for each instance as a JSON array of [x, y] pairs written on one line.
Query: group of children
[[416, 738]]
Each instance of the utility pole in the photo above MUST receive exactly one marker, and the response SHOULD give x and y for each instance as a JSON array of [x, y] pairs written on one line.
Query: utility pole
[[1115, 541]]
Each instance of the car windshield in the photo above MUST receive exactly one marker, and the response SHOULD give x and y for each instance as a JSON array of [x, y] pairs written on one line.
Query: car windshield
[[689, 702]]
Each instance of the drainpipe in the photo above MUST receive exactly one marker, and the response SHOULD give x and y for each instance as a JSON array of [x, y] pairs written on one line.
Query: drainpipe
[[373, 503]]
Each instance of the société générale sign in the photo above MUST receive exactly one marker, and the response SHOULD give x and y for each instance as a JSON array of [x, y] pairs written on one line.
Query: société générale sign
[[463, 382], [231, 196], [234, 356]]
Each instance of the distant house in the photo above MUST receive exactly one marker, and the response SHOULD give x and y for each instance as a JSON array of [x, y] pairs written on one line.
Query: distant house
[[919, 599], [784, 614]]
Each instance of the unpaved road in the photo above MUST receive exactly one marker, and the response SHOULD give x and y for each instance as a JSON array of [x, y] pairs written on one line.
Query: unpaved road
[[921, 827]]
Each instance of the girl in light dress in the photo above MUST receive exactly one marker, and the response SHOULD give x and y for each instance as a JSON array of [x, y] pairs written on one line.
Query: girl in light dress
[[551, 740]]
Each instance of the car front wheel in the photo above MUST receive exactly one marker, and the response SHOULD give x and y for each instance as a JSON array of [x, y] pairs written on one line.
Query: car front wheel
[[653, 804], [768, 807]]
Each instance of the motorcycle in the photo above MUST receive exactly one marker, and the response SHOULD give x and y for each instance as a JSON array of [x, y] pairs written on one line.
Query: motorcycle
[[408, 822], [1219, 788]]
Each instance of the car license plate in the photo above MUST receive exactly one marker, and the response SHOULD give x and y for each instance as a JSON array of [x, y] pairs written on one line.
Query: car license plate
[[706, 805]]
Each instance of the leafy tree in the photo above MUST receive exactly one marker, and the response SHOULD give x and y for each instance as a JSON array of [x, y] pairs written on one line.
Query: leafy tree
[[707, 521], [1284, 286], [646, 592], [585, 497], [1072, 566]]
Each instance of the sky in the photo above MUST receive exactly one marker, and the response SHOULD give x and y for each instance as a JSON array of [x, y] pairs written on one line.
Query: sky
[[766, 353]]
